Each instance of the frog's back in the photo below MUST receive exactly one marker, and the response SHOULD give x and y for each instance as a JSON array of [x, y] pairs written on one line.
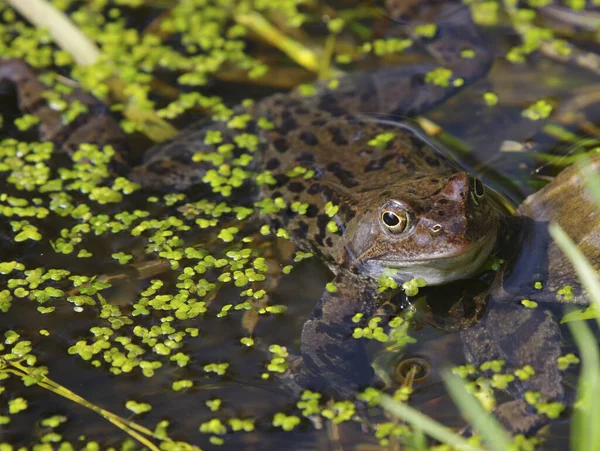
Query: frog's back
[[320, 154]]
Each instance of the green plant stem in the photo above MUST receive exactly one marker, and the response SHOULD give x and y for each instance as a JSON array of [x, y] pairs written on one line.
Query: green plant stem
[[292, 48], [132, 429], [426, 424], [585, 434], [492, 431]]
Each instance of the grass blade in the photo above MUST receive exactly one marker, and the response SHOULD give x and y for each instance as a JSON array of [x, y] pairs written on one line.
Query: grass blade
[[585, 433], [491, 430], [585, 271], [427, 424]]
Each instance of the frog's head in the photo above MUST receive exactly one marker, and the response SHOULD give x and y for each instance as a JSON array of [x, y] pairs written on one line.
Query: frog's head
[[435, 228]]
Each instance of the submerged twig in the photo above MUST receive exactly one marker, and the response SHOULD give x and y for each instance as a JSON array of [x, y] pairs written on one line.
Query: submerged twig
[[304, 56]]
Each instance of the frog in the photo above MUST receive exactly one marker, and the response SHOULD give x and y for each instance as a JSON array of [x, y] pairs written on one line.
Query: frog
[[380, 199], [400, 207]]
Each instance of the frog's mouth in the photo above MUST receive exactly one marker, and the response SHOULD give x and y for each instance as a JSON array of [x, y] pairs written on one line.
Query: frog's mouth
[[437, 270]]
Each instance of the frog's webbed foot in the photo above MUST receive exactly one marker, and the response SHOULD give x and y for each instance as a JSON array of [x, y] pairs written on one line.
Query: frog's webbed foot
[[332, 360], [517, 417], [520, 336], [95, 126]]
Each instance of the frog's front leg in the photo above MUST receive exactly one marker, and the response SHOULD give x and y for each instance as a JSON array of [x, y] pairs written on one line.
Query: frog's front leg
[[519, 336], [332, 360]]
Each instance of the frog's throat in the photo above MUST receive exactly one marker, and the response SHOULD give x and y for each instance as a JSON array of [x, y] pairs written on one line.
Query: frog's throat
[[460, 265]]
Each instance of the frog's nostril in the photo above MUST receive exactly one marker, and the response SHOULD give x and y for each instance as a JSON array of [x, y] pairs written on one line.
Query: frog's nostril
[[457, 186], [436, 228]]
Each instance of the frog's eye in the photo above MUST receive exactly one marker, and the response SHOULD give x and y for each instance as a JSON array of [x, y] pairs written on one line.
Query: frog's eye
[[396, 220], [477, 190]]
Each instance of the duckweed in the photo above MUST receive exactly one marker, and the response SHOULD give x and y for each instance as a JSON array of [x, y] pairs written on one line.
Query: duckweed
[[402, 394], [17, 405], [214, 404], [332, 227], [247, 341], [278, 363], [241, 424], [440, 76], [539, 110], [501, 381], [138, 407], [426, 30], [285, 422], [218, 368], [388, 430], [26, 121], [122, 257], [309, 403], [386, 280], [566, 361], [526, 372], [371, 396], [181, 385], [552, 409], [382, 47], [214, 426], [566, 292], [411, 288], [357, 317], [340, 411], [373, 330], [490, 98], [528, 303], [381, 140], [493, 365]]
